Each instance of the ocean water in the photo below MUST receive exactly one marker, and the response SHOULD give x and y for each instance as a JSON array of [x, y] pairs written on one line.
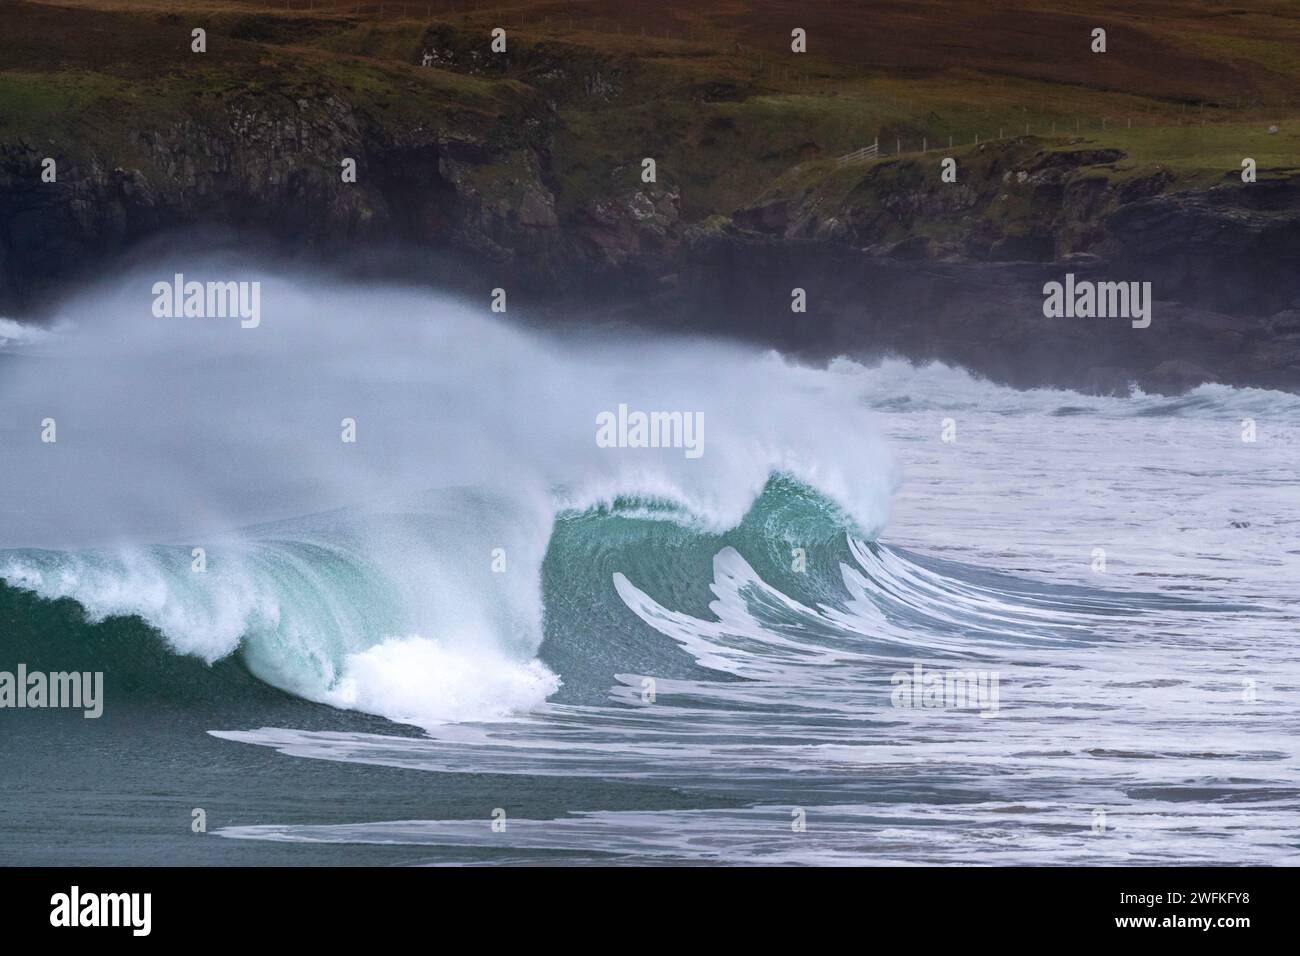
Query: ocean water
[[475, 636]]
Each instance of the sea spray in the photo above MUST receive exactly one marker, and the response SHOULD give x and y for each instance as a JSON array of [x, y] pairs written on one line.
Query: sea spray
[[422, 537]]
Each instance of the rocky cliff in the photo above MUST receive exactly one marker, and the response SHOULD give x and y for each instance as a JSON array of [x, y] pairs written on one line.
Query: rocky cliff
[[512, 170]]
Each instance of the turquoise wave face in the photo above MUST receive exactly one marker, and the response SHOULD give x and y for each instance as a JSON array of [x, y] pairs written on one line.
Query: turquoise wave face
[[291, 603], [139, 667], [794, 538], [345, 608]]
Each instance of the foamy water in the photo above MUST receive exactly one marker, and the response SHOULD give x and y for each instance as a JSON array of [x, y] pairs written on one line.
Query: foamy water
[[1146, 711], [730, 628]]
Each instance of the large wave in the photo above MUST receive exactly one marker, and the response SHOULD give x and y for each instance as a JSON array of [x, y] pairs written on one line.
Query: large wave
[[401, 574], [476, 552]]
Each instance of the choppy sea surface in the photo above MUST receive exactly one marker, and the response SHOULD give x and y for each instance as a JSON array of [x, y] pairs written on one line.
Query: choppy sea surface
[[891, 615]]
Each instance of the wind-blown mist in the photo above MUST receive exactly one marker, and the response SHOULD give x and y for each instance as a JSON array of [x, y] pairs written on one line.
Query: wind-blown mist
[[362, 573], [727, 632]]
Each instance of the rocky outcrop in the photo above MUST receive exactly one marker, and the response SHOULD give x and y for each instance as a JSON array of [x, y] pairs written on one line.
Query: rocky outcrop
[[477, 189], [271, 169], [902, 264]]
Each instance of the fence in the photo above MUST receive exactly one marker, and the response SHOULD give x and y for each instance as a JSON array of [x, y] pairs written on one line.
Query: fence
[[866, 152]]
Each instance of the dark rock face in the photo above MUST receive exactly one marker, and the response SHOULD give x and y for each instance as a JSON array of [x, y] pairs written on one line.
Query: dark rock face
[[271, 171], [467, 184], [1223, 267], [1176, 376], [985, 316], [1233, 249]]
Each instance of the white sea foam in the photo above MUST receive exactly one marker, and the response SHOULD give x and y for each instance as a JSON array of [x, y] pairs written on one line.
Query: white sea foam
[[1145, 707], [472, 435], [18, 335], [417, 681]]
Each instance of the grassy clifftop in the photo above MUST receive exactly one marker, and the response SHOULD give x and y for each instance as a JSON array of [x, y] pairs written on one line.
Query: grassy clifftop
[[712, 91]]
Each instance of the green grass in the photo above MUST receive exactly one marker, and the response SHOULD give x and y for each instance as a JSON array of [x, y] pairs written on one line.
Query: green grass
[[726, 127], [1204, 155], [85, 115]]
